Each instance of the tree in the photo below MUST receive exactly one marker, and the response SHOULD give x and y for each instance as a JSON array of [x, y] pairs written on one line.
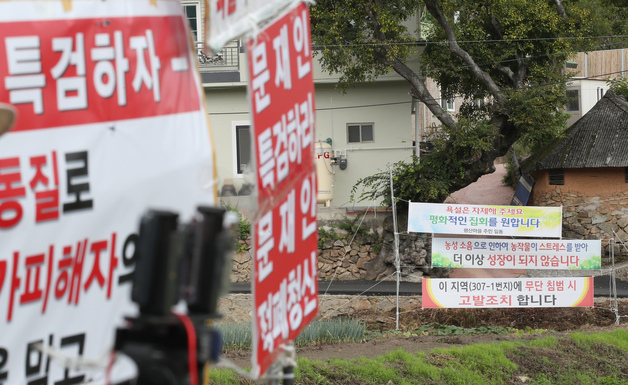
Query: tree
[[619, 86], [510, 53]]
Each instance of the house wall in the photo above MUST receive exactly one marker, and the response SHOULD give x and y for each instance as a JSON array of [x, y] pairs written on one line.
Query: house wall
[[586, 181], [592, 69], [386, 105], [594, 201], [587, 95]]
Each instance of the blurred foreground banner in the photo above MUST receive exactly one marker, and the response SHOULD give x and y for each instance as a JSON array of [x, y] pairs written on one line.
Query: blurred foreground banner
[[507, 292], [110, 122], [285, 231], [231, 19]]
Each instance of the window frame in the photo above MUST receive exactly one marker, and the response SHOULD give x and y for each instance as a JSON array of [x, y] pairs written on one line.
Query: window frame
[[361, 124], [235, 146], [199, 18], [567, 107], [447, 104]]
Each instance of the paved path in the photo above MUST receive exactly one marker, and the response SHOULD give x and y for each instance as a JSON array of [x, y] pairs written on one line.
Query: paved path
[[488, 190]]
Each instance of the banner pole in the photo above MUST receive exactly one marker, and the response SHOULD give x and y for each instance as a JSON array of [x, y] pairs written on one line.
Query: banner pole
[[396, 235], [613, 279]]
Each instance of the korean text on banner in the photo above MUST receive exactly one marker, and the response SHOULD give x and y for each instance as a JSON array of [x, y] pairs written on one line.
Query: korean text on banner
[[230, 19], [443, 218], [110, 122], [507, 292], [516, 254], [285, 231]]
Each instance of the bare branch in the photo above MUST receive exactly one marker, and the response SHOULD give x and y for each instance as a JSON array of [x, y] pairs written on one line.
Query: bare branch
[[454, 48]]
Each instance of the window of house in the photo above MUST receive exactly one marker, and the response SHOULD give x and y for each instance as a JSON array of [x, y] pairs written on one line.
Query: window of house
[[557, 177], [242, 147], [192, 11], [600, 92], [573, 100], [360, 133], [479, 103], [447, 104]]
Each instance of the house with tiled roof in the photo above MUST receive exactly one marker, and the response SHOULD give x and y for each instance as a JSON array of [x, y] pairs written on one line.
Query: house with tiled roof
[[586, 172]]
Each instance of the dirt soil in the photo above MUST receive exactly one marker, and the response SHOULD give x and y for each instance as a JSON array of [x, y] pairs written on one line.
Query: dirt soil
[[550, 321]]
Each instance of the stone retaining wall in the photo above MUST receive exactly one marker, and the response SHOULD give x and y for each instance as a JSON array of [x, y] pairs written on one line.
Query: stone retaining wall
[[367, 255], [370, 255], [587, 217], [237, 308]]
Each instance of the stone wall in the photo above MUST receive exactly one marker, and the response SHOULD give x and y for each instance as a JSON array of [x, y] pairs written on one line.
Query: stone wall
[[591, 217], [237, 308], [368, 254]]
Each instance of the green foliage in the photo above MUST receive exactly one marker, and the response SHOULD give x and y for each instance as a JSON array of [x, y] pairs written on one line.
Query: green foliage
[[508, 54], [429, 179], [448, 330], [352, 227], [344, 32], [619, 86], [325, 235], [237, 336], [377, 247], [593, 263], [582, 358], [439, 261], [225, 377], [534, 111], [618, 338], [244, 227], [334, 330]]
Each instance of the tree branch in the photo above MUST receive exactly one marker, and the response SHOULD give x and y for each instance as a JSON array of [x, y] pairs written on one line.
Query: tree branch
[[419, 90], [454, 48], [561, 9]]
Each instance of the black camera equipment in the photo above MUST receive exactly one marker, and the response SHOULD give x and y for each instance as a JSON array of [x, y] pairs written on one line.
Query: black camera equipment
[[177, 262]]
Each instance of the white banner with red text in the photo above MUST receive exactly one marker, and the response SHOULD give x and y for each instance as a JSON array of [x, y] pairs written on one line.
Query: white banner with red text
[[444, 218], [471, 293], [517, 254], [110, 122], [285, 230]]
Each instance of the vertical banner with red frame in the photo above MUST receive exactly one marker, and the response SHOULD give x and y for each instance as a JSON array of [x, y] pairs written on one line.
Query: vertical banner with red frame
[[281, 90]]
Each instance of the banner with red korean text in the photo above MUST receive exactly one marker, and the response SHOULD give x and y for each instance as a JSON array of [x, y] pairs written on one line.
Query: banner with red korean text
[[281, 90], [507, 292], [445, 218], [226, 20], [517, 254], [110, 122]]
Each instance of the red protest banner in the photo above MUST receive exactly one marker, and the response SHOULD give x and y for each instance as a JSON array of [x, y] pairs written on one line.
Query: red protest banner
[[281, 89]]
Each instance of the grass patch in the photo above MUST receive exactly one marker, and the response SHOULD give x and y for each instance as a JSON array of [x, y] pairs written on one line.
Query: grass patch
[[597, 358]]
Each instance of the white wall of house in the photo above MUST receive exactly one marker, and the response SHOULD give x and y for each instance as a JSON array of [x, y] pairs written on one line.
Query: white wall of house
[[384, 106], [589, 92]]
